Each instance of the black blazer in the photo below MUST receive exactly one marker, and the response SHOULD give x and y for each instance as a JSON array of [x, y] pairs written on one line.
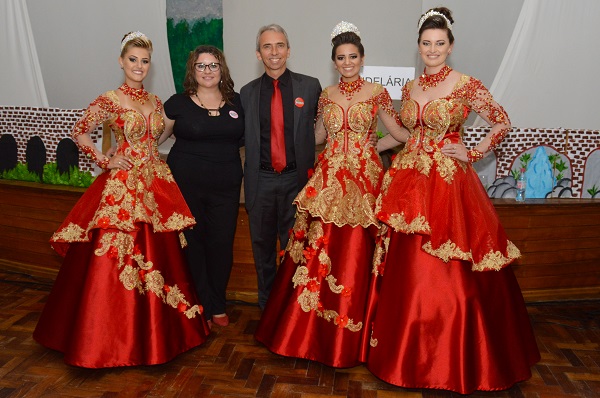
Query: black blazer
[[305, 88]]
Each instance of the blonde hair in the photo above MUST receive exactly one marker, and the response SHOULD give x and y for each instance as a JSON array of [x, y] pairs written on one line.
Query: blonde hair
[[135, 39]]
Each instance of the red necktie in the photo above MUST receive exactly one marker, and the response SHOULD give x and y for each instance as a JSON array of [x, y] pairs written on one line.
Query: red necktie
[[277, 131]]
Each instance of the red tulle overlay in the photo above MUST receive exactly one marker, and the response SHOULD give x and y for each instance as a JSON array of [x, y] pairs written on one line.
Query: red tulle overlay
[[98, 319], [456, 216], [442, 325], [322, 318]]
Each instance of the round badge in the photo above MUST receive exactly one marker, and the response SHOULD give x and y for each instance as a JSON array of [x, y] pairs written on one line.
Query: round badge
[[299, 102], [233, 114]]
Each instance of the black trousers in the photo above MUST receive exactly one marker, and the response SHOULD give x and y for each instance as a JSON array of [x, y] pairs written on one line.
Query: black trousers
[[212, 192], [271, 217]]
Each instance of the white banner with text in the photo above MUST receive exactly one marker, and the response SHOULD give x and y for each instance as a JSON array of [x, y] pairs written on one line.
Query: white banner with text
[[393, 78]]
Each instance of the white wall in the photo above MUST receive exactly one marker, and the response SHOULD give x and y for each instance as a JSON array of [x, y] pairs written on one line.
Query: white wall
[[388, 29], [386, 32], [482, 31], [78, 44], [78, 41]]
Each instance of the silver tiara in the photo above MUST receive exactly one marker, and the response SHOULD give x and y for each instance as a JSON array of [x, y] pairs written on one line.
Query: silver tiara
[[131, 36], [344, 27], [431, 13]]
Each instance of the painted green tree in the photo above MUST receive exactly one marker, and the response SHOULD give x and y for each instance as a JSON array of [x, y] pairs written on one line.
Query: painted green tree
[[185, 36]]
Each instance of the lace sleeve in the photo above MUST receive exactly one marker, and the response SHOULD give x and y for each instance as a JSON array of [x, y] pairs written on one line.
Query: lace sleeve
[[320, 131], [390, 117], [384, 101], [323, 98], [482, 102], [98, 112]]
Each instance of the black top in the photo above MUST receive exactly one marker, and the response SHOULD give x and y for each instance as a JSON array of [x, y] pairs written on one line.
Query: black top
[[214, 138], [287, 97]]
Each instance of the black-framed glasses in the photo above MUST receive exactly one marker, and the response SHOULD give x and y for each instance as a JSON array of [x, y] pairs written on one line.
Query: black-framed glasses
[[213, 66]]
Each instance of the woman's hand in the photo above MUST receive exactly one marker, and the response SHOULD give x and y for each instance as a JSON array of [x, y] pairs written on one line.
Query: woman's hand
[[373, 139], [120, 162], [456, 150]]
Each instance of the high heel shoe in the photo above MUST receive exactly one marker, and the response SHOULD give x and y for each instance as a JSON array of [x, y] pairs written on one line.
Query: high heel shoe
[[221, 320]]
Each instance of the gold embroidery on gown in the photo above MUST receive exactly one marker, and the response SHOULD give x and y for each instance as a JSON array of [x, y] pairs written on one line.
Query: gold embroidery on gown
[[342, 191], [348, 173], [129, 196], [146, 193], [432, 126]]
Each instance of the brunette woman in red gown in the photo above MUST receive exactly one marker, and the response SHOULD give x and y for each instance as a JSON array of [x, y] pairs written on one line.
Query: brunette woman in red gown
[[317, 306], [124, 295], [448, 312]]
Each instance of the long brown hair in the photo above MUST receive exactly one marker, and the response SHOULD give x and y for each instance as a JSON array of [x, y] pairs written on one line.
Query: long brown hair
[[190, 84]]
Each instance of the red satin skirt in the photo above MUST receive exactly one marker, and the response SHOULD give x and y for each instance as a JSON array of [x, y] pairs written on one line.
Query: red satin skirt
[[322, 318], [97, 322], [441, 325]]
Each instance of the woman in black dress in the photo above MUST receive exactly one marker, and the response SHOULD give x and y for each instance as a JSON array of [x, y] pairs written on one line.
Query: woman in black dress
[[205, 161]]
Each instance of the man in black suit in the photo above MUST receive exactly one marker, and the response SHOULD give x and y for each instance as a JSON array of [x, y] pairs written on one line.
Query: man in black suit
[[273, 177]]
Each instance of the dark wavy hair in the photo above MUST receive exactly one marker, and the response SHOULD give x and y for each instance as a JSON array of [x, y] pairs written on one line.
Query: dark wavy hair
[[346, 38], [438, 22], [190, 84]]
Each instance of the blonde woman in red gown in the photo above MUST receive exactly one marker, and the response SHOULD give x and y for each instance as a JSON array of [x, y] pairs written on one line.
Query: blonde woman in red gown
[[449, 313], [124, 295], [316, 309]]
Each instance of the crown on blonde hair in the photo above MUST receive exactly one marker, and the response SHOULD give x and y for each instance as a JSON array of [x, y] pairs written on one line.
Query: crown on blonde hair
[[131, 36]]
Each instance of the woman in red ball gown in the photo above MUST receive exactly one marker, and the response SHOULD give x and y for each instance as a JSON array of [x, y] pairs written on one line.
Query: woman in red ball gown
[[317, 306], [124, 295], [446, 311]]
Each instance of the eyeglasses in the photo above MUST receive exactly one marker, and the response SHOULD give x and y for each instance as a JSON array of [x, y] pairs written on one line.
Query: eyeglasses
[[213, 66]]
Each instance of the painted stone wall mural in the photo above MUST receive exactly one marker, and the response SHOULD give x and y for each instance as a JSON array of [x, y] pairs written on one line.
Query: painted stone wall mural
[[191, 23]]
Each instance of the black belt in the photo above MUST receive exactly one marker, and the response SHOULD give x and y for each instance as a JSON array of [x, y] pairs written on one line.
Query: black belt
[[267, 167]]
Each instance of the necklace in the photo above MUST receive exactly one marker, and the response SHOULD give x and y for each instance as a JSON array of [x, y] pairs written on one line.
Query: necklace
[[211, 112], [427, 81], [137, 94], [350, 88]]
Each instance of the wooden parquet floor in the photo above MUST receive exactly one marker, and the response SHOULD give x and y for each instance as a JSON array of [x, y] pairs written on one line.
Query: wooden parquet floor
[[232, 364]]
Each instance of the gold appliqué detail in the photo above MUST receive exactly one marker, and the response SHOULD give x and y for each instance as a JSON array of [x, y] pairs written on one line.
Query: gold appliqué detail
[[306, 245], [348, 174], [136, 273], [381, 248], [418, 224], [416, 159], [441, 117], [71, 233], [336, 203], [447, 251], [445, 165], [175, 222], [373, 342], [182, 240], [494, 260]]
